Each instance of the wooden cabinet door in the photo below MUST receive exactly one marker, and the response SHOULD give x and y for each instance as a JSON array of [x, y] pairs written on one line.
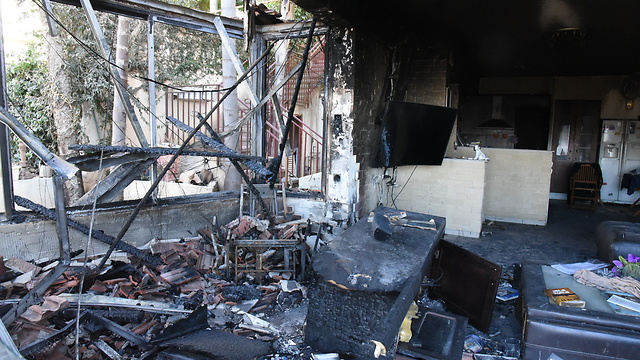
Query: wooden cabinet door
[[576, 132]]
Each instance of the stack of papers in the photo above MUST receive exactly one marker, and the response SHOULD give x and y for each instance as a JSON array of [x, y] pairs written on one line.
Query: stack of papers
[[625, 303], [569, 269]]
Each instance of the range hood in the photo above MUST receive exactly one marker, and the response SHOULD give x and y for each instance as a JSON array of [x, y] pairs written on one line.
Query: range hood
[[496, 121]]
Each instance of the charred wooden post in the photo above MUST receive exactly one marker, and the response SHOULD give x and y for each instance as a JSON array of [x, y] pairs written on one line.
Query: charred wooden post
[[61, 220], [90, 162], [34, 295]]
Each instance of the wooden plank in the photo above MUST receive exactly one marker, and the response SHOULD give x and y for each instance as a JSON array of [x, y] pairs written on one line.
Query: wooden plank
[[107, 189]]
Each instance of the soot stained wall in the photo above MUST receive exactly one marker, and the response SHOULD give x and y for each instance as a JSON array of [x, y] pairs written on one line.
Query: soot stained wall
[[371, 61]]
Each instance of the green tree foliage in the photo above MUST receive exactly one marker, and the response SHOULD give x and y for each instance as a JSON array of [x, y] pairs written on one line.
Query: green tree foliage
[[86, 70], [183, 56], [26, 88]]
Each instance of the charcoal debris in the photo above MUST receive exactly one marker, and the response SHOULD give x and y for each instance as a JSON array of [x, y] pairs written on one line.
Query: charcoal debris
[[237, 285]]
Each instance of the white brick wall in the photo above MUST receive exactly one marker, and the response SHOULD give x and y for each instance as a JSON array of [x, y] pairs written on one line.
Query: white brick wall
[[518, 183], [454, 190], [512, 187]]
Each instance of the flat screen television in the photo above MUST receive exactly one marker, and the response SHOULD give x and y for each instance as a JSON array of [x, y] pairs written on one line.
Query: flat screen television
[[415, 134]]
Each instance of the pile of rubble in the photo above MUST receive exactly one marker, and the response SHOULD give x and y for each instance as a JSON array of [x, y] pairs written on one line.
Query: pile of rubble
[[236, 286]]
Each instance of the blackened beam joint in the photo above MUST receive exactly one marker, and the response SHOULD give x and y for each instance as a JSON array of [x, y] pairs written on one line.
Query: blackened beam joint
[[253, 165], [98, 235]]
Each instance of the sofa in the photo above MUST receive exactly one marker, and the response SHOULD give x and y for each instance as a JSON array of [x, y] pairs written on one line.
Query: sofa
[[617, 238], [551, 331]]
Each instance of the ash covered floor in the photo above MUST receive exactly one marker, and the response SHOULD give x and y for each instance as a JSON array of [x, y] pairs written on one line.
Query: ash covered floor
[[269, 319], [569, 237]]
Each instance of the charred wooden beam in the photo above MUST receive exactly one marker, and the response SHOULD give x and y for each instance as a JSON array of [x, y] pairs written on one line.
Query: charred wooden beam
[[114, 183], [61, 167], [107, 239], [38, 349], [103, 160], [156, 151], [120, 330], [244, 176], [253, 165], [129, 316]]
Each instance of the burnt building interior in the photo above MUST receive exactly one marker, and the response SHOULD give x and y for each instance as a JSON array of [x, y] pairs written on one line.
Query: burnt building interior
[[459, 149]]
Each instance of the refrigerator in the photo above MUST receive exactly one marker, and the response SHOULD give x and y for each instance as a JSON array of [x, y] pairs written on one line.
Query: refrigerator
[[619, 155]]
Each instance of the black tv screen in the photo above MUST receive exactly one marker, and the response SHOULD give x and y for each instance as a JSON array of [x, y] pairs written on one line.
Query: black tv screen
[[415, 134]]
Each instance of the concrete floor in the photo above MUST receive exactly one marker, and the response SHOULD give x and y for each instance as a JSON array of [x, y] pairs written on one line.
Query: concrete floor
[[568, 237]]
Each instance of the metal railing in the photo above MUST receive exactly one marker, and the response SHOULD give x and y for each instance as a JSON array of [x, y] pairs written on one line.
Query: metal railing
[[185, 105], [306, 147], [306, 143]]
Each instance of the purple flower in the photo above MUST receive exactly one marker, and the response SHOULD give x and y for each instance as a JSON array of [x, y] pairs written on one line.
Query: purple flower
[[618, 264], [633, 259]]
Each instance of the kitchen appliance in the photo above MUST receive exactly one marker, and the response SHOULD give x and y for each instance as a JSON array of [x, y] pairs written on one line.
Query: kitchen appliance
[[619, 155]]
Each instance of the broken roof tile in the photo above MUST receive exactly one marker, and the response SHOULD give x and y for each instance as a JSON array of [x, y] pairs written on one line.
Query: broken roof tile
[[180, 276]]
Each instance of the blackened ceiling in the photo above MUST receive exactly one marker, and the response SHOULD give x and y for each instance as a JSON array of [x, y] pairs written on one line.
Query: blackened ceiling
[[503, 38]]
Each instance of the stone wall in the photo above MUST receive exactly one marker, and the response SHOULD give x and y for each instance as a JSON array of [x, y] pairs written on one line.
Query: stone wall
[[176, 218]]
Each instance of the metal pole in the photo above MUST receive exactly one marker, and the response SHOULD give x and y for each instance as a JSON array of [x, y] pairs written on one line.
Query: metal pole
[[5, 151], [292, 108], [62, 229], [151, 57]]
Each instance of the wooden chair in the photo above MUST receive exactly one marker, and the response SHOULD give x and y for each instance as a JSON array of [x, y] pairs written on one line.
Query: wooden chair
[[585, 184]]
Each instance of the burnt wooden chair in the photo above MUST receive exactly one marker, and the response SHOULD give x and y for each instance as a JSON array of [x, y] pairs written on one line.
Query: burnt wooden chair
[[584, 187]]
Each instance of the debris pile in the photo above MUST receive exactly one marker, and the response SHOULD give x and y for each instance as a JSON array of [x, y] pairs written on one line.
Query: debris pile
[[232, 285]]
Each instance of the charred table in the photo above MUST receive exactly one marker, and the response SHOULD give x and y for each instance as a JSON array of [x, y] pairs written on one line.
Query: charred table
[[366, 286]]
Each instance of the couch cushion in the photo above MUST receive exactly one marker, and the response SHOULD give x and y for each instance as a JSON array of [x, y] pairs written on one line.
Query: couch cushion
[[615, 238]]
